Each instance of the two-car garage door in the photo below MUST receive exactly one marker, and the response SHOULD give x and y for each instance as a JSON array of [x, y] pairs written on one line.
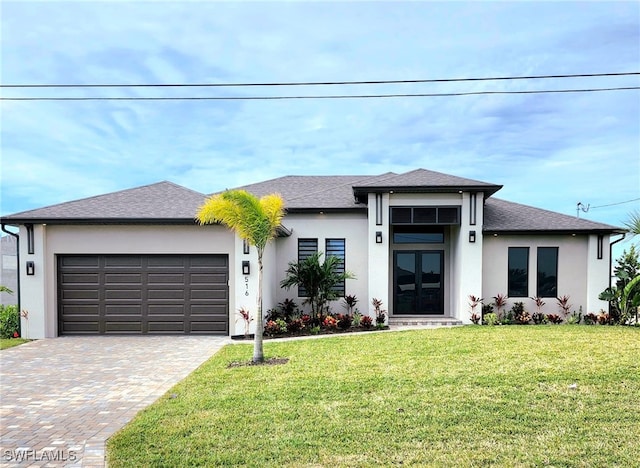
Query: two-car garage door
[[143, 294]]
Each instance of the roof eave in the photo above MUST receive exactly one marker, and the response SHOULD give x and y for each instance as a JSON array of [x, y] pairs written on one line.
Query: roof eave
[[553, 231], [96, 221], [487, 189]]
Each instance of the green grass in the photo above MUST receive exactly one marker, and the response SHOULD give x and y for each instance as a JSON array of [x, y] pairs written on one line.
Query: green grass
[[470, 396], [11, 342]]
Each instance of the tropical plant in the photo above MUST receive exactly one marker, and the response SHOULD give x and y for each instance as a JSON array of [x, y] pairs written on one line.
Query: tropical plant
[[246, 316], [539, 303], [474, 302], [9, 321], [254, 220], [624, 297], [633, 223], [318, 280], [554, 318], [590, 319], [350, 302], [379, 311], [366, 321], [491, 319], [5, 290], [500, 301], [563, 303]]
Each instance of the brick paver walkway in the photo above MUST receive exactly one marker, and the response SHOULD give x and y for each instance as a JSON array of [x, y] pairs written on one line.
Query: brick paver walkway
[[61, 398]]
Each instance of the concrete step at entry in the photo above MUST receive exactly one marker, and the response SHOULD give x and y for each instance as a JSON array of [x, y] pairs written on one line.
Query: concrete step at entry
[[423, 321]]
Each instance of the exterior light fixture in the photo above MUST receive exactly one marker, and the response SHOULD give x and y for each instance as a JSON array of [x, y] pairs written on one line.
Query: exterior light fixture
[[378, 237], [31, 269], [246, 270], [472, 236], [245, 246]]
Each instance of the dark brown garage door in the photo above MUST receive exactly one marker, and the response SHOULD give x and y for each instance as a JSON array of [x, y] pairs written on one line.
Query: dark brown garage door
[[149, 294]]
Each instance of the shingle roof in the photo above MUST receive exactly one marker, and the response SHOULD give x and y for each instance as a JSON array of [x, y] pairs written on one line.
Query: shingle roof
[[313, 192], [423, 180], [166, 202], [504, 216], [163, 201]]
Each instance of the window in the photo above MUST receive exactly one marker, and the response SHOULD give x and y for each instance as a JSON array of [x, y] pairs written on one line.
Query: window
[[425, 215], [30, 239], [306, 248], [518, 281], [336, 247], [418, 235], [547, 272]]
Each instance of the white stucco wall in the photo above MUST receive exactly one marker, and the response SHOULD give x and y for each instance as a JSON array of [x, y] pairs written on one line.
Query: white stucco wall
[[350, 226], [467, 258], [463, 260], [581, 275], [39, 292]]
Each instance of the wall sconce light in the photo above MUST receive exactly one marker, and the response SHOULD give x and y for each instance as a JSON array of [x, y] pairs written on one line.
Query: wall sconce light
[[31, 269], [245, 246], [378, 237], [245, 267], [472, 236]]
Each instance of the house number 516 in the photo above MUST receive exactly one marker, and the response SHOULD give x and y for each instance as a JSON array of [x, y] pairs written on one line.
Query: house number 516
[[246, 285]]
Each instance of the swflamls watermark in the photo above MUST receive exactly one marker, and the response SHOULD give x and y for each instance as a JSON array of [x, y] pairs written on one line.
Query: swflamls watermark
[[33, 455]]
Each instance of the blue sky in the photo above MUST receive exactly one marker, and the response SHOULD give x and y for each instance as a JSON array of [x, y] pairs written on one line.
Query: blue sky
[[548, 150]]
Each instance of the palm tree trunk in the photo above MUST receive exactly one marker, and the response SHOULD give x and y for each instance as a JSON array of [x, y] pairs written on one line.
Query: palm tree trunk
[[258, 354]]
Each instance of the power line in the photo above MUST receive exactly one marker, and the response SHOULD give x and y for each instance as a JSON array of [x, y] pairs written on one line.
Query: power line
[[317, 83], [614, 204], [335, 96]]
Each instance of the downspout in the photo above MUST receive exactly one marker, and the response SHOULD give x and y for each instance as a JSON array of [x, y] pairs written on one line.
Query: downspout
[[624, 234], [17, 274]]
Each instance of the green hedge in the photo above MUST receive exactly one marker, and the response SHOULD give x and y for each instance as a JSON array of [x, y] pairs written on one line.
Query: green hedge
[[9, 320]]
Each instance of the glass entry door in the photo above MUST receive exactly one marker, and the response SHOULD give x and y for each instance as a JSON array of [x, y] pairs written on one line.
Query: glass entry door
[[418, 282]]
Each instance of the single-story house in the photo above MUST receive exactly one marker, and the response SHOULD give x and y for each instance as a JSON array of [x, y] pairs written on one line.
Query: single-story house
[[136, 261]]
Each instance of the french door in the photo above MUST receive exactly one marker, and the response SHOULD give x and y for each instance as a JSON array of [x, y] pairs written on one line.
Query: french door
[[418, 282]]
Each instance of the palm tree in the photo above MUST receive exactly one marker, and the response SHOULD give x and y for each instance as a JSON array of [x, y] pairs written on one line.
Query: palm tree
[[254, 220], [317, 279], [633, 224]]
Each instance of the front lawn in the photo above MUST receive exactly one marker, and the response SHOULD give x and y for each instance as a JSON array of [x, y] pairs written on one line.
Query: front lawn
[[515, 396], [11, 342]]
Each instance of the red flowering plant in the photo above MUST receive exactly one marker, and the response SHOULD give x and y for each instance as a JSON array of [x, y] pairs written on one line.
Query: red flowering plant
[[330, 322]]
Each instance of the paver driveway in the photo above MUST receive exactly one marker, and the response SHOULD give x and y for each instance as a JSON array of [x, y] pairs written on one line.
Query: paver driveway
[[60, 399]]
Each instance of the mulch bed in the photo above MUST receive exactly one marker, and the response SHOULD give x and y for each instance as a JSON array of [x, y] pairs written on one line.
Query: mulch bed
[[267, 362]]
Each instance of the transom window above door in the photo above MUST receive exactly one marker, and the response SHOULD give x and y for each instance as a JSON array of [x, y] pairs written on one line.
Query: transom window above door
[[413, 234], [425, 215]]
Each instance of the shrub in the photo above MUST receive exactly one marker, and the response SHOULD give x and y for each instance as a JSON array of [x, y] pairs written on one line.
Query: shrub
[[603, 318], [286, 310], [275, 327], [356, 318], [330, 322], [554, 318], [306, 319], [475, 319], [486, 309], [575, 318], [590, 319], [366, 321], [491, 319], [344, 321], [315, 330], [519, 314], [295, 326], [539, 318], [9, 321]]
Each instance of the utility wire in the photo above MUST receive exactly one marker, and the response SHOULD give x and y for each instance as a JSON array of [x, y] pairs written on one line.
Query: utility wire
[[335, 96], [614, 204], [316, 83]]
